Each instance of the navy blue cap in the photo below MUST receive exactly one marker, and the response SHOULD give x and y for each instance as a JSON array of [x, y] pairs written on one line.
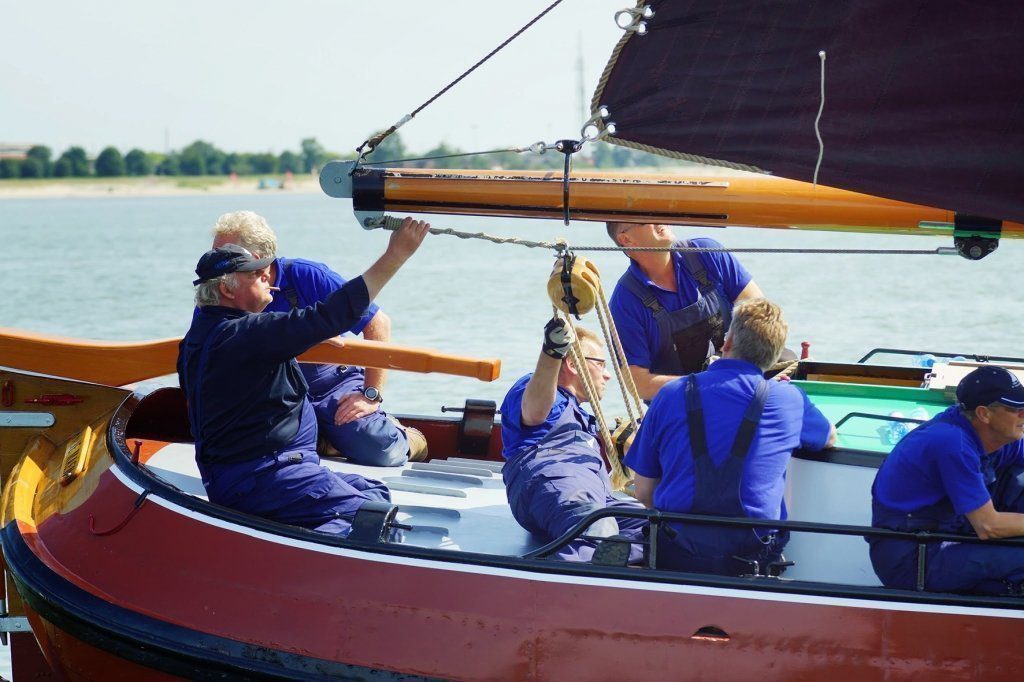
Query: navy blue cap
[[227, 259], [987, 385]]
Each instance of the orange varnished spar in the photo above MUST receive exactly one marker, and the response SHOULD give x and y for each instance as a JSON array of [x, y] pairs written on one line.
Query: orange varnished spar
[[760, 201], [118, 363]]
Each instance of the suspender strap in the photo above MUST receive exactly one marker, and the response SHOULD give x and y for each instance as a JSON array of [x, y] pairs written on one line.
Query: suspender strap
[[694, 266], [289, 291], [645, 295], [751, 418], [695, 419]]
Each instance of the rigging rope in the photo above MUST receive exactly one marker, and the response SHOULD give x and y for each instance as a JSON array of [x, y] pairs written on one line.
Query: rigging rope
[[560, 246], [518, 150], [374, 141], [620, 477]]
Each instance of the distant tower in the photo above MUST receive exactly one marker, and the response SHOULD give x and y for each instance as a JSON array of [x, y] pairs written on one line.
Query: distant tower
[[167, 140], [581, 80]]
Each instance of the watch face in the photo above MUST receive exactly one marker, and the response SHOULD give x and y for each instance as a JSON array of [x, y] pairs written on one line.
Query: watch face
[[371, 393]]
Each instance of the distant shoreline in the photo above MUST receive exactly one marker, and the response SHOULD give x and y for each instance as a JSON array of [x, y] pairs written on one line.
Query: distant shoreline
[[154, 186], [185, 185]]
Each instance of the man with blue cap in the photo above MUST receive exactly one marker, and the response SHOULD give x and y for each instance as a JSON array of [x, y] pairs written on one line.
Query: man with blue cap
[[718, 443], [961, 472], [254, 427], [347, 400], [554, 473]]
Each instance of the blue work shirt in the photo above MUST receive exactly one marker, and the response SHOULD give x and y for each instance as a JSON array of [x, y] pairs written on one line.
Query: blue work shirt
[[638, 331], [516, 436], [313, 282], [942, 459], [662, 446], [247, 395]]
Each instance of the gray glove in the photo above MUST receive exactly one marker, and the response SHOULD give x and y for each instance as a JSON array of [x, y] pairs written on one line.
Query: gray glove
[[558, 337]]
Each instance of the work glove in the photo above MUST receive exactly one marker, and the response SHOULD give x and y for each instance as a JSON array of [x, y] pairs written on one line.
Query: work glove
[[558, 337]]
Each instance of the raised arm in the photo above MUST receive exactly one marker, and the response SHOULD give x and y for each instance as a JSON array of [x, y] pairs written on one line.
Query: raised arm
[[403, 243], [539, 396]]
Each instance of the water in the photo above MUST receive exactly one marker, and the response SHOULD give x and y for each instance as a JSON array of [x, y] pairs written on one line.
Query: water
[[121, 268]]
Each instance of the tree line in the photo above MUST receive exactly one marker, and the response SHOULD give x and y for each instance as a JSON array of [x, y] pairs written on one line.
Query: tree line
[[203, 158]]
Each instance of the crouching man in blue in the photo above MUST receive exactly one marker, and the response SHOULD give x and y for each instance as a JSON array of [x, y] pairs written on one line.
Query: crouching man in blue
[[254, 427], [554, 473], [740, 472], [961, 472], [346, 400]]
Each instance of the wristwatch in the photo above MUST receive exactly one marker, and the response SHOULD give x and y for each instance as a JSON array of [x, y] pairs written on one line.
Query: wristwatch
[[372, 393]]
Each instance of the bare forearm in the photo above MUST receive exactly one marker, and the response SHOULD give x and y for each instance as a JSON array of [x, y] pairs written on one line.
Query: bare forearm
[[540, 391], [381, 272], [648, 384], [401, 245], [644, 490], [377, 329]]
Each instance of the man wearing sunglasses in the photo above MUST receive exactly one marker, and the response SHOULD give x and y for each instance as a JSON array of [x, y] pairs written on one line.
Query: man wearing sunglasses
[[961, 472], [554, 473]]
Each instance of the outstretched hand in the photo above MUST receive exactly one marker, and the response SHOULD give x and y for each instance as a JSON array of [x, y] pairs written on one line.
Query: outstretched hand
[[407, 238], [558, 336]]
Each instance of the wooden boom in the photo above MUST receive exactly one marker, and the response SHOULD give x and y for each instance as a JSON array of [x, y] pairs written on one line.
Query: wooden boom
[[742, 200], [118, 363]]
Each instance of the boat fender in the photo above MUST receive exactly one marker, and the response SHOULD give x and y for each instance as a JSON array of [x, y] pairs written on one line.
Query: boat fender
[[374, 523], [573, 285]]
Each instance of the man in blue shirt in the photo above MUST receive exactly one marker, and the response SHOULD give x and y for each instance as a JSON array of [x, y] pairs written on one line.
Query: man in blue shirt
[[672, 309], [254, 428], [346, 400], [718, 443], [554, 473], [961, 472]]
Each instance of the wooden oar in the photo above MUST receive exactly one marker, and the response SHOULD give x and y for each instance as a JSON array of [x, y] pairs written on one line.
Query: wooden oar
[[118, 363]]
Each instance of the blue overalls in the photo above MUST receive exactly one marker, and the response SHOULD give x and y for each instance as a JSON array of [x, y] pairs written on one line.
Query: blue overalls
[[372, 440], [711, 549], [951, 566], [554, 484], [288, 486], [690, 335]]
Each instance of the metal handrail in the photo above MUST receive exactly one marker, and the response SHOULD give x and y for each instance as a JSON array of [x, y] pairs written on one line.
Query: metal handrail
[[970, 356], [655, 517]]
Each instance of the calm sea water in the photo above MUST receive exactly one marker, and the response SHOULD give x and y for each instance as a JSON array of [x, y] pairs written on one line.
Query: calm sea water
[[120, 269]]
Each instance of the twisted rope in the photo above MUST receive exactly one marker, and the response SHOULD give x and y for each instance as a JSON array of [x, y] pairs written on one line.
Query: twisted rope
[[560, 246]]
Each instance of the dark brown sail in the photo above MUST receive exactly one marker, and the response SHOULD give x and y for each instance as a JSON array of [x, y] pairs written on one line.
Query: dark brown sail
[[924, 100]]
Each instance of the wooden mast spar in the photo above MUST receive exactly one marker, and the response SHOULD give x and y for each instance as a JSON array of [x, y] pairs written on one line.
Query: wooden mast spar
[[743, 200]]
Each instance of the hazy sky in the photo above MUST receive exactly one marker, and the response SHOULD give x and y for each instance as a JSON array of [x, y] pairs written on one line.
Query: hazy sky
[[257, 76]]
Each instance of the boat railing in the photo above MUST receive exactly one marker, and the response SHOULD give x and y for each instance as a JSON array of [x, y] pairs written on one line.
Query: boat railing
[[657, 519], [937, 354]]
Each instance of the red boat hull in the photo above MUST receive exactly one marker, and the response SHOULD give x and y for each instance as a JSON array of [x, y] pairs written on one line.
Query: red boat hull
[[181, 578]]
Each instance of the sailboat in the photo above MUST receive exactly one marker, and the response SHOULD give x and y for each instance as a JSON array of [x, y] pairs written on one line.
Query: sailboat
[[124, 570]]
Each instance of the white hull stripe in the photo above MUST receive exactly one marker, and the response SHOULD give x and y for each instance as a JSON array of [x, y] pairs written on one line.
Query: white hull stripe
[[519, 574]]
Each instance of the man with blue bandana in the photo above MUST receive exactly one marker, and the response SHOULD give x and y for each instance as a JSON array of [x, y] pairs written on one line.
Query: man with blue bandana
[[253, 424], [672, 309], [961, 472], [718, 443], [554, 473]]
